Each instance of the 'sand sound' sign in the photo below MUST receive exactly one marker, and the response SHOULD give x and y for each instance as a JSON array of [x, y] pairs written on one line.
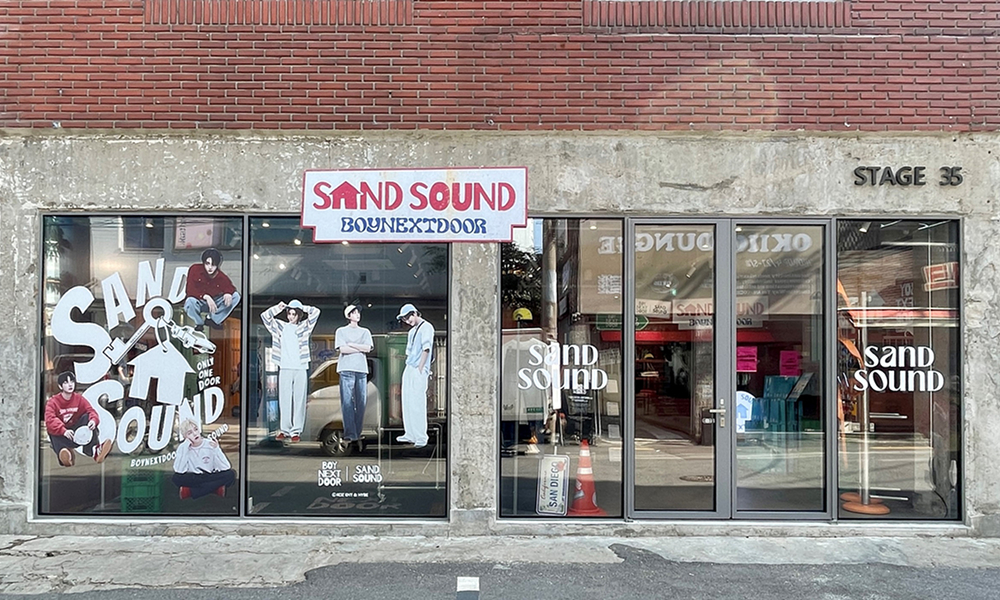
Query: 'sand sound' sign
[[415, 205]]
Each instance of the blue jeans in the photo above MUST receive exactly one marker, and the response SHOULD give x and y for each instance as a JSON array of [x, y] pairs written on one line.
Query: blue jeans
[[353, 392], [197, 309]]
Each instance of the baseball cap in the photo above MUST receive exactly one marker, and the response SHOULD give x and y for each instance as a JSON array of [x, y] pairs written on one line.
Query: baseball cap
[[351, 308], [522, 314], [405, 310], [295, 304]]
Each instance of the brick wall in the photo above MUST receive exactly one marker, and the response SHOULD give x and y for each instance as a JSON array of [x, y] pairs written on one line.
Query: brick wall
[[587, 65]]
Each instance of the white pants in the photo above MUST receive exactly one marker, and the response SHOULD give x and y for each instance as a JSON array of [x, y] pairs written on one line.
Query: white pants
[[414, 399], [292, 384]]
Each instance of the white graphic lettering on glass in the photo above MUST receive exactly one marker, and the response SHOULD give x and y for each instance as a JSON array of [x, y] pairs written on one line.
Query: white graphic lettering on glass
[[562, 366], [898, 369]]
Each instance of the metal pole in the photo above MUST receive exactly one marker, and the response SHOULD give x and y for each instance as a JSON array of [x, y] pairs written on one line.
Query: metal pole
[[517, 409], [865, 418]]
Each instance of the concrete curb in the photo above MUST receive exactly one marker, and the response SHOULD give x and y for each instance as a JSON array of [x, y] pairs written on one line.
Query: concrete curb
[[33, 565]]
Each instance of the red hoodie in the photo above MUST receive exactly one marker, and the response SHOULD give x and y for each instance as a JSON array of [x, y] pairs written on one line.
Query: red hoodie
[[60, 412]]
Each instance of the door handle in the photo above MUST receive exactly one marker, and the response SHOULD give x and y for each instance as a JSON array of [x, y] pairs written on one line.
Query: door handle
[[721, 411]]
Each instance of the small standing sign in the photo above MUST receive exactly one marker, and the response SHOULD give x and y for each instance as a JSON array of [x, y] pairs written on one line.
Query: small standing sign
[[553, 485]]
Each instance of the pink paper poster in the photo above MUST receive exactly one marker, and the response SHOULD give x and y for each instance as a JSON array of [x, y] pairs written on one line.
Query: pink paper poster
[[746, 359], [789, 363]]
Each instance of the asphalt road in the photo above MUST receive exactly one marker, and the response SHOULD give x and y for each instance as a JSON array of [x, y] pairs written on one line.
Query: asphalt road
[[641, 575]]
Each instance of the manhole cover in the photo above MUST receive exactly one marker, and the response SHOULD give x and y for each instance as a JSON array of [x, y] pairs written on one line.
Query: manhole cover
[[699, 478]]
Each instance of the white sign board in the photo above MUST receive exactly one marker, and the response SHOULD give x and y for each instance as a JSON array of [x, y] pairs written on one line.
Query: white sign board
[[415, 205], [699, 313], [553, 485]]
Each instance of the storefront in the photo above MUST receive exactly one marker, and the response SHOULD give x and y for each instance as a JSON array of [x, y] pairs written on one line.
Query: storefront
[[770, 369], [683, 333], [175, 431]]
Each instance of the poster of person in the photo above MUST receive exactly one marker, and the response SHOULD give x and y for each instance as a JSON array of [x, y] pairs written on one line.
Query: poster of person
[[346, 381], [290, 350], [135, 402]]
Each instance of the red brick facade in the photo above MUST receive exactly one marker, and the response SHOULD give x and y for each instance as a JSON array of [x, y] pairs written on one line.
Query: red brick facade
[[864, 65]]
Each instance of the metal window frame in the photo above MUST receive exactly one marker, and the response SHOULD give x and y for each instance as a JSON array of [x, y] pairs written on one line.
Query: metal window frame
[[498, 420], [242, 517], [38, 428], [832, 474], [448, 484], [828, 384], [962, 433], [723, 363], [727, 512]]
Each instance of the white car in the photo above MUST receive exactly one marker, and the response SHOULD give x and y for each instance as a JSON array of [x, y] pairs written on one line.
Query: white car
[[324, 417]]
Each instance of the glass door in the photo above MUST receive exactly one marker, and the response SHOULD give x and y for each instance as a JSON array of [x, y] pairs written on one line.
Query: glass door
[[780, 399], [681, 447], [728, 358]]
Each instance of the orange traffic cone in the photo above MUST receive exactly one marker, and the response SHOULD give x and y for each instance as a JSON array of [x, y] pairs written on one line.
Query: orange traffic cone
[[585, 497]]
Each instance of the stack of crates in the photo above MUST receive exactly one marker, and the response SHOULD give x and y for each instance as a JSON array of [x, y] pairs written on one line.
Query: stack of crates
[[142, 489]]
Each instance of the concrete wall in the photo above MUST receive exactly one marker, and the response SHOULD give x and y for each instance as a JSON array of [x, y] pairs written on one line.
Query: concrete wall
[[611, 174]]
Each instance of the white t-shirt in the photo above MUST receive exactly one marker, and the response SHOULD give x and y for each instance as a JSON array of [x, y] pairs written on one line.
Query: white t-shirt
[[290, 358], [355, 361], [203, 459], [418, 339]]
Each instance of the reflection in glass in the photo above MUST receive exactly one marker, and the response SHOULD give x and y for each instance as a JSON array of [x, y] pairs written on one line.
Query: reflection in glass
[[674, 367], [140, 397], [560, 430], [899, 369], [318, 463], [779, 376]]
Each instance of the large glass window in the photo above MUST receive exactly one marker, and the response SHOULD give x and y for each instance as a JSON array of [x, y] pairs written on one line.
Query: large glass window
[[561, 356], [154, 328], [347, 376], [780, 441], [899, 369], [139, 404]]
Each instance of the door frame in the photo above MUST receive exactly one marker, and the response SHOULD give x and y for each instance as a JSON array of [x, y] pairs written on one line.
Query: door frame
[[722, 364], [725, 371]]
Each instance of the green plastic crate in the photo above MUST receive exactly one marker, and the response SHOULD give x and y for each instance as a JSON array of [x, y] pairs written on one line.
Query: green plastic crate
[[142, 490]]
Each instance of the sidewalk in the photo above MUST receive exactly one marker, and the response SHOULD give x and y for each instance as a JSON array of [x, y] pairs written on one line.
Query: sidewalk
[[32, 565]]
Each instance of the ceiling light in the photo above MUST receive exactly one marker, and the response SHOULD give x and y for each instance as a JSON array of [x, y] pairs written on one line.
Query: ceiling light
[[297, 242], [281, 266], [149, 223], [345, 242], [265, 224], [930, 225], [865, 226]]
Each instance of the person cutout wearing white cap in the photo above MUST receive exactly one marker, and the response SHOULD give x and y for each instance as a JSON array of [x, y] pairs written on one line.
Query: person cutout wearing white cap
[[353, 342], [290, 351], [419, 354]]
